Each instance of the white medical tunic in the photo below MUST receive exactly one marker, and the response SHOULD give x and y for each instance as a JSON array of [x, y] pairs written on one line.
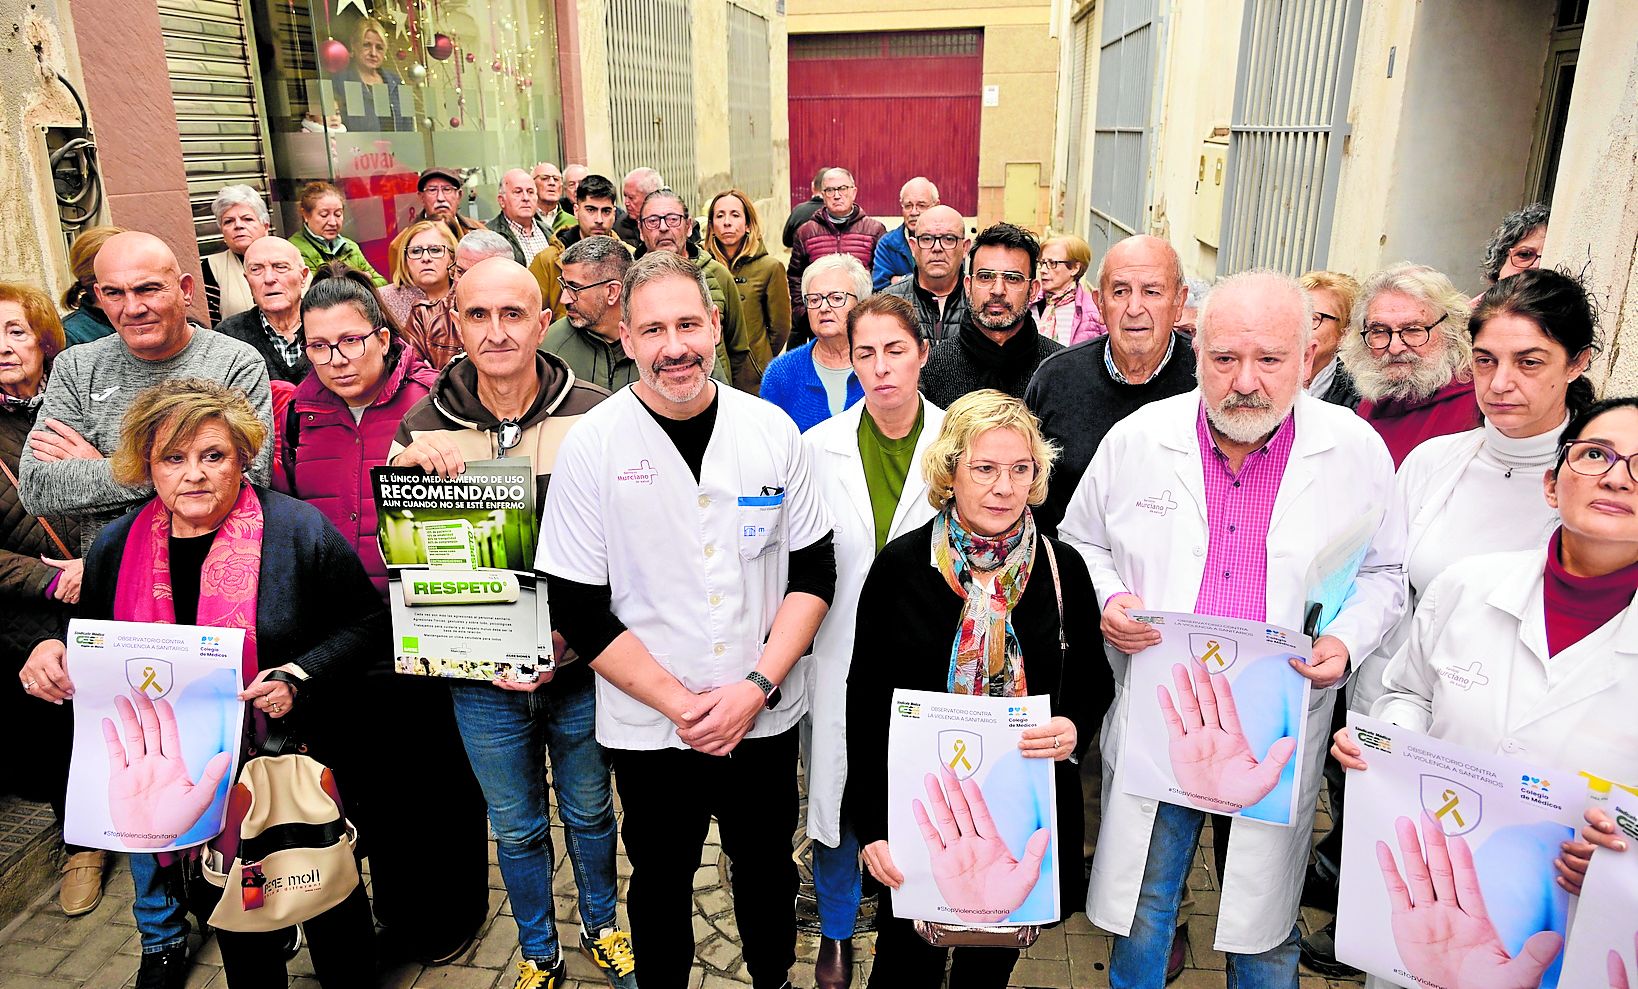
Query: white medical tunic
[[697, 569]]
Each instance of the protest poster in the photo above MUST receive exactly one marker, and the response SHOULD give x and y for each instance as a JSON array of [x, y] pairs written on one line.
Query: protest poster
[[1603, 946], [157, 723], [1217, 717], [954, 758], [461, 584], [1447, 863]]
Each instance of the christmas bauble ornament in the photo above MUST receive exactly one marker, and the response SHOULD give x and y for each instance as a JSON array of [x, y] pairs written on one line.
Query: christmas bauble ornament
[[442, 47], [418, 72], [334, 56], [454, 121], [495, 66], [470, 58]]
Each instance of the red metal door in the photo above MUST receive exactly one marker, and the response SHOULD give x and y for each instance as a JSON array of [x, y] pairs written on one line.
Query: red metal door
[[888, 106]]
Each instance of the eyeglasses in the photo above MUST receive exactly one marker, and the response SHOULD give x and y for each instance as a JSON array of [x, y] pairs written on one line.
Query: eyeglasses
[[985, 474], [1524, 257], [1321, 317], [666, 220], [1591, 458], [833, 190], [427, 251], [986, 277], [833, 300], [570, 288], [930, 241], [441, 190], [320, 353], [1379, 336], [915, 207], [1053, 263]]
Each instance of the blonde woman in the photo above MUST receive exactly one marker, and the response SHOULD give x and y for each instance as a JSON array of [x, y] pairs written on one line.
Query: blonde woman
[[735, 239], [85, 320], [369, 70], [934, 628], [1332, 295], [1064, 308], [423, 265]]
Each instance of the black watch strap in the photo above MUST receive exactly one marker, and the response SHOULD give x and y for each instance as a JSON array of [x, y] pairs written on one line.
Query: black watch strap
[[770, 692]]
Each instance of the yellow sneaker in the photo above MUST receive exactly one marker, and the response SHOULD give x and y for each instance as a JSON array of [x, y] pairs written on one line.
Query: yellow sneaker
[[611, 952], [532, 976]]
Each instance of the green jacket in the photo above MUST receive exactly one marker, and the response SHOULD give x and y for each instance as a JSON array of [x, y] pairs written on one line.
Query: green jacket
[[316, 253], [765, 303], [595, 359], [733, 347]]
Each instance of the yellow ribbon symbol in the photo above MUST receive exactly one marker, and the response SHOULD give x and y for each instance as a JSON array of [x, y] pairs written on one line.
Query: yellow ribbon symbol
[[960, 749], [148, 680], [1451, 800], [1212, 652]]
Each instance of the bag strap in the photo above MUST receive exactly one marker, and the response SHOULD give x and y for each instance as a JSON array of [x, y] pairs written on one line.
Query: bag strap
[[56, 539], [1063, 631]]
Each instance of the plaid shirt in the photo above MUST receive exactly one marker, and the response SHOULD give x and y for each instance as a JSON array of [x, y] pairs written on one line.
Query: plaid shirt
[[289, 350], [1239, 507], [532, 239]]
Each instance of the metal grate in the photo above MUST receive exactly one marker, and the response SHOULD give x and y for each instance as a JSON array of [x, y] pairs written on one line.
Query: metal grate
[[1285, 141], [750, 127], [651, 90], [1083, 63], [1121, 128], [208, 57]]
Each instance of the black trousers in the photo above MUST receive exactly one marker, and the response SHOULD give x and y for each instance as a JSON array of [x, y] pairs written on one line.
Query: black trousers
[[669, 797], [905, 961], [341, 942]]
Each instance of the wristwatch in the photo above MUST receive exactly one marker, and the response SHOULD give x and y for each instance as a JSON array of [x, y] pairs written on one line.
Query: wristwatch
[[770, 692]]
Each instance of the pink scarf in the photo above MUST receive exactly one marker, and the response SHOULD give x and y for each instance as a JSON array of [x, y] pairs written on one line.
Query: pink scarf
[[227, 581]]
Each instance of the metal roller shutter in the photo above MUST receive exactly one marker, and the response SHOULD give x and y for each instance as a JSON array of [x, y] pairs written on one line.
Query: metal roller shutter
[[209, 56], [750, 129], [651, 91]]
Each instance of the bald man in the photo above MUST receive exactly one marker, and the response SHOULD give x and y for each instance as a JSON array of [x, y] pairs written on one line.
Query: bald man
[[145, 294], [554, 212], [934, 285], [519, 218], [278, 278], [505, 398], [572, 174], [894, 258]]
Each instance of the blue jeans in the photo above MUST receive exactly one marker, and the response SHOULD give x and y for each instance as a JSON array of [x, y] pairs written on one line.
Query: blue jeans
[[836, 884], [1139, 960], [504, 732], [161, 917]]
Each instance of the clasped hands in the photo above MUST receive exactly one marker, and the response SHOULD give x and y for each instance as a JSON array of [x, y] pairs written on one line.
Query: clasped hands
[[714, 721]]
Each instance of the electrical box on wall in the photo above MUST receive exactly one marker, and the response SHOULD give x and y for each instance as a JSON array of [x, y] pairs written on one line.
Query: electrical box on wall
[[1211, 169]]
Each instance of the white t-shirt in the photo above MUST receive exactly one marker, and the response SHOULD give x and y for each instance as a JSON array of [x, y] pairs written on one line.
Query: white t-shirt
[[697, 570]]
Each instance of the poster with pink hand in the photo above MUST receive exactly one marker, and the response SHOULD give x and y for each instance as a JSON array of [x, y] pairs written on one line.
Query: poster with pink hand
[[157, 723], [1447, 864], [970, 820], [1603, 946], [1217, 717]]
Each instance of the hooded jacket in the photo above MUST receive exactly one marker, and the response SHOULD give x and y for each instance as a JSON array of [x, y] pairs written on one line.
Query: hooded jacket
[[970, 361], [328, 456]]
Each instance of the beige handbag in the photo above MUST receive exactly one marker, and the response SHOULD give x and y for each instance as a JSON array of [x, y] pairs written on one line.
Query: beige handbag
[[1002, 935], [286, 854]]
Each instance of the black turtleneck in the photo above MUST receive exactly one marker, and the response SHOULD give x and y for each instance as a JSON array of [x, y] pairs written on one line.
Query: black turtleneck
[[971, 360]]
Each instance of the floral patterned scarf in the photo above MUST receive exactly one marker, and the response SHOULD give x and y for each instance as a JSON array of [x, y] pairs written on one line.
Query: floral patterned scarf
[[986, 658]]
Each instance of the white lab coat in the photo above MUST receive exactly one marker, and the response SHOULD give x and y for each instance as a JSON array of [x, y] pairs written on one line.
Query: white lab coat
[[1421, 493], [833, 450], [1139, 519], [696, 572], [1474, 670]]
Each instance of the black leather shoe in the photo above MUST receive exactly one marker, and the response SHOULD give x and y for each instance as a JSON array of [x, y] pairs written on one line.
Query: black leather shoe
[[1319, 953], [164, 969], [834, 969], [1174, 962]]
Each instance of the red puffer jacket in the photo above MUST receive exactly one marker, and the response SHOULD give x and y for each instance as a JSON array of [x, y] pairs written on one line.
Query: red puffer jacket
[[824, 235], [327, 456]]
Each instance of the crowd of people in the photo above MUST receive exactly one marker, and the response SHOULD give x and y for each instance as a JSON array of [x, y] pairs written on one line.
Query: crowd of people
[[770, 495]]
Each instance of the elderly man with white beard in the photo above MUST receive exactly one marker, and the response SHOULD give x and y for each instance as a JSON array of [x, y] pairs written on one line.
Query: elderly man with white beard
[[1216, 502], [1411, 357]]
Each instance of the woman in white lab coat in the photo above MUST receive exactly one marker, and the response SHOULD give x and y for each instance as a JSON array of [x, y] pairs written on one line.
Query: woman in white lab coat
[[867, 463], [1533, 653], [1477, 491]]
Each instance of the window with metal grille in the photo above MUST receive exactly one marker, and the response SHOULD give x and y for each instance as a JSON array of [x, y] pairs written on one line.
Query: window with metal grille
[[1122, 127], [1285, 140], [651, 90], [1083, 63], [813, 47], [208, 57], [750, 125]]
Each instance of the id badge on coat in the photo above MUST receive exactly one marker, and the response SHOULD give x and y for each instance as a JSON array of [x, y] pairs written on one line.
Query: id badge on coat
[[760, 523]]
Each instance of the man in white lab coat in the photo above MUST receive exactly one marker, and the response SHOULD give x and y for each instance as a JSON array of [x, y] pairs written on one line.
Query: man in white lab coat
[[688, 552], [1216, 502]]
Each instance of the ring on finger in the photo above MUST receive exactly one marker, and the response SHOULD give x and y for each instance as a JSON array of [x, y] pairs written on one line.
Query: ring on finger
[[30, 685]]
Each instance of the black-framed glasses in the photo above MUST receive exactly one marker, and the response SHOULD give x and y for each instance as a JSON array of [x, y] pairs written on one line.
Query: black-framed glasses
[[1321, 317], [832, 190], [427, 251], [1052, 263], [666, 220], [1379, 336], [833, 300], [570, 288], [1590, 458], [1013, 279], [930, 241], [320, 353]]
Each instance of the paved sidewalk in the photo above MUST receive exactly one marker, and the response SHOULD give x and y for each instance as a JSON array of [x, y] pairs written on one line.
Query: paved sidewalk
[[42, 949]]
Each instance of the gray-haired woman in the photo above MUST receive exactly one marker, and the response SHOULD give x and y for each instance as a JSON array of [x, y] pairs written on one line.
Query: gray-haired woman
[[242, 217], [1516, 245]]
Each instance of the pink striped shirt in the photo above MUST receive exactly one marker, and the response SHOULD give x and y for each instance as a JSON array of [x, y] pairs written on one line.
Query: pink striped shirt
[[1238, 510]]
